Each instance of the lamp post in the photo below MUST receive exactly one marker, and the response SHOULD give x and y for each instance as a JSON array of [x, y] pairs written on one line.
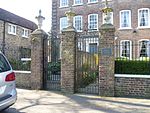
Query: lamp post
[[70, 16], [107, 13], [40, 19]]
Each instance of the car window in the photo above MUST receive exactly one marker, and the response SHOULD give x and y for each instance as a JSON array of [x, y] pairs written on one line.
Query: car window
[[4, 66]]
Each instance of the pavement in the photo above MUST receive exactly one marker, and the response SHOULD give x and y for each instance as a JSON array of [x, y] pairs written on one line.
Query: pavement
[[32, 101]]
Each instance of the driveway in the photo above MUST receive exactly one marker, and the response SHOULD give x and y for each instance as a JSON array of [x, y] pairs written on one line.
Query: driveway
[[31, 101]]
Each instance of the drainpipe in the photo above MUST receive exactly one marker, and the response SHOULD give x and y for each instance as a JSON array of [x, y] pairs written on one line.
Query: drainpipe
[[3, 41]]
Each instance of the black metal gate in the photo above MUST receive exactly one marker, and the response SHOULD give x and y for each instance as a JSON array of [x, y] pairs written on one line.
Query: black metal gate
[[53, 76], [87, 79]]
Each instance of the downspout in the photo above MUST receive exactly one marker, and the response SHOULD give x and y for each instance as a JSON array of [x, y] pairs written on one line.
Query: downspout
[[3, 41]]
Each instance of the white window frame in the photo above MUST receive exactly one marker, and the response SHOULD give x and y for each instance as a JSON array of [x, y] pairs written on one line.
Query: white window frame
[[24, 30], [81, 22], [130, 49], [95, 29], [81, 3], [148, 26], [122, 11], [62, 27], [12, 29], [111, 20], [148, 48], [66, 5], [90, 1]]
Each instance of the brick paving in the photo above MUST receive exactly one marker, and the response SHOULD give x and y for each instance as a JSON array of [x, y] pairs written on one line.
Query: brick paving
[[32, 101]]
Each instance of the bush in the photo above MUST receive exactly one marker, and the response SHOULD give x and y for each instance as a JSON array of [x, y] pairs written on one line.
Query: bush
[[89, 78], [132, 67], [54, 67], [20, 65], [87, 75]]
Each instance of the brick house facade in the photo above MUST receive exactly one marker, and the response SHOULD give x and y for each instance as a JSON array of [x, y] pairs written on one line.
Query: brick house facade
[[130, 18], [14, 33]]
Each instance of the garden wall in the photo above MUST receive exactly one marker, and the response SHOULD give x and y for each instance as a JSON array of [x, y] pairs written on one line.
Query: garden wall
[[23, 79], [125, 85], [132, 86]]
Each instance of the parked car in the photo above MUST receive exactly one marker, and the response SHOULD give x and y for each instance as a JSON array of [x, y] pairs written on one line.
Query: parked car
[[8, 93]]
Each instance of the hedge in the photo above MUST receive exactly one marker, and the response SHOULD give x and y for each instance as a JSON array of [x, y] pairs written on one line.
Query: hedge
[[132, 67], [20, 65]]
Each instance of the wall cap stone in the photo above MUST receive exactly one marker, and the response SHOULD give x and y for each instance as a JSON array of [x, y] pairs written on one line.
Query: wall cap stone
[[131, 76], [38, 32], [107, 27], [68, 29], [16, 71]]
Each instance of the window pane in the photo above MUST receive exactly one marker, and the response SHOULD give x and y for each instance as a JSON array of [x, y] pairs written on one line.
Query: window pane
[[4, 66], [125, 48], [63, 23], [143, 17], [144, 49], [78, 23], [78, 1], [9, 28], [93, 24], [14, 29], [63, 3], [93, 0], [125, 19]]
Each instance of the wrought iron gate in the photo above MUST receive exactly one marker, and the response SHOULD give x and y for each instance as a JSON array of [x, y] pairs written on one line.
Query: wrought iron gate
[[87, 79], [53, 76]]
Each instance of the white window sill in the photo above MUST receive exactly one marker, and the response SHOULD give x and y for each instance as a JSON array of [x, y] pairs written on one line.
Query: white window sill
[[63, 6], [92, 2], [77, 4], [11, 33], [128, 28], [132, 76], [147, 27], [25, 36], [79, 31], [92, 30], [27, 72], [25, 59]]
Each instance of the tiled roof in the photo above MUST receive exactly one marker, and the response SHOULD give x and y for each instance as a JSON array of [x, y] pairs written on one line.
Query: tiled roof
[[14, 19]]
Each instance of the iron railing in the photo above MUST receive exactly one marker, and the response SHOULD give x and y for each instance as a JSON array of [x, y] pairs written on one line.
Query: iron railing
[[87, 64], [132, 59]]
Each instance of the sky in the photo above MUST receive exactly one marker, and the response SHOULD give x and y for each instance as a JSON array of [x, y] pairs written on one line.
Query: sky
[[29, 9]]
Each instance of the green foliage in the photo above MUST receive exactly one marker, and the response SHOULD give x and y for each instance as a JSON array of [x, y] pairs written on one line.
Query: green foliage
[[20, 65], [88, 75], [132, 67], [54, 67], [88, 78]]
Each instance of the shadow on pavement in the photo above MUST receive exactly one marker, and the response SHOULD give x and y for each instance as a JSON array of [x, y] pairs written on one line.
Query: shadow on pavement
[[114, 101], [11, 110], [77, 102]]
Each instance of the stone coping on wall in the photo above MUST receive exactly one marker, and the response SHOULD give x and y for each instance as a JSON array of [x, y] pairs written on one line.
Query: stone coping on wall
[[18, 71], [132, 76]]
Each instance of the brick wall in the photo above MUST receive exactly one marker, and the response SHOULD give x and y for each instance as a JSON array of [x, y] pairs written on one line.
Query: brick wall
[[117, 5], [13, 42], [23, 79], [16, 40], [129, 34], [1, 32], [132, 87]]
